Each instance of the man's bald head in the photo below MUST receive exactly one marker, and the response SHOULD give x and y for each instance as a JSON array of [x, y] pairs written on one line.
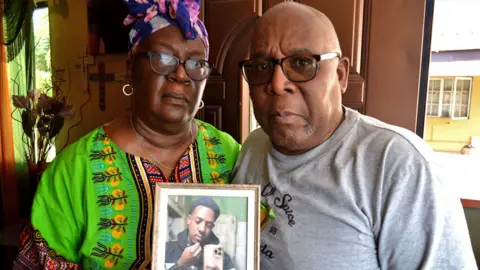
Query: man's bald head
[[298, 21]]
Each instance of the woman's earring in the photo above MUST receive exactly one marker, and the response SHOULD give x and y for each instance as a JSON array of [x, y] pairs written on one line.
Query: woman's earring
[[202, 104], [124, 90]]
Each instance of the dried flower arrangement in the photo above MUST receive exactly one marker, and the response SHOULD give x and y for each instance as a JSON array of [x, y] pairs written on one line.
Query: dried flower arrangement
[[42, 118]]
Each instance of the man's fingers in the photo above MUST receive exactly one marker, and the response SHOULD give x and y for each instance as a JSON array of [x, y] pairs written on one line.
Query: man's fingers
[[197, 252], [195, 247]]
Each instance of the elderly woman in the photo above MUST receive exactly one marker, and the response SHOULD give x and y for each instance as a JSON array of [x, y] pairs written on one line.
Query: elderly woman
[[94, 205]]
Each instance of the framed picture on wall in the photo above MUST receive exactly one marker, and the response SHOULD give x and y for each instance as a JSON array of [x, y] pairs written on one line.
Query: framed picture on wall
[[206, 227]]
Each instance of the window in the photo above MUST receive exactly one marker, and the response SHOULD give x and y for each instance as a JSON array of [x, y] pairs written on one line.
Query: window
[[43, 75], [449, 97]]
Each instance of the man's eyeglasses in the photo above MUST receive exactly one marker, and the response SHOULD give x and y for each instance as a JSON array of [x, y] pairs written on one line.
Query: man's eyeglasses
[[164, 64], [297, 68]]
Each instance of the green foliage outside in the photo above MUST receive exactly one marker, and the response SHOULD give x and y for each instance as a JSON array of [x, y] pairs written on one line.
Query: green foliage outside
[[43, 74]]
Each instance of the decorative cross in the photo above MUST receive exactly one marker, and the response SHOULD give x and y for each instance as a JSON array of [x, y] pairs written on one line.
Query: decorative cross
[[84, 61], [101, 77]]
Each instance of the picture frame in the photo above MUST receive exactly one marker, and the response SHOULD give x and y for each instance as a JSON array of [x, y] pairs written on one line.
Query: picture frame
[[206, 226]]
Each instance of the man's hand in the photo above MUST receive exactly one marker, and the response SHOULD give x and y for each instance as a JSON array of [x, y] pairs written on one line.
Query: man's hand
[[190, 255]]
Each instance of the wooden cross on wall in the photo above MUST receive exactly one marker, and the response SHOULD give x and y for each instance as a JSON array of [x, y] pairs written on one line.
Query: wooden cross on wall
[[102, 78]]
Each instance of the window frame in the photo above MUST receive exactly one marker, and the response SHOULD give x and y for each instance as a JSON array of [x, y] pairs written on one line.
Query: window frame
[[453, 104], [469, 100]]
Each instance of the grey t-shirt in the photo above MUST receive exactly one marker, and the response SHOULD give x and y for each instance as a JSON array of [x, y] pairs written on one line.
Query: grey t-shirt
[[370, 197]]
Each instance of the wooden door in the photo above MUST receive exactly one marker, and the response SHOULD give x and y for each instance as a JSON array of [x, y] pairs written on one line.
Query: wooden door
[[350, 18], [230, 25]]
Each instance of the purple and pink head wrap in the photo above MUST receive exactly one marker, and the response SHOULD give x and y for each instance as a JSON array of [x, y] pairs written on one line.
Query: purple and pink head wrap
[[148, 16]]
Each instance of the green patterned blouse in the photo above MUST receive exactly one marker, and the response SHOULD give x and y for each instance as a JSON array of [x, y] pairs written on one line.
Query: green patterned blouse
[[93, 207]]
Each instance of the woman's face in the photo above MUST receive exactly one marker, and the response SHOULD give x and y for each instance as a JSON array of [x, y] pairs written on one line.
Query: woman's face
[[173, 98]]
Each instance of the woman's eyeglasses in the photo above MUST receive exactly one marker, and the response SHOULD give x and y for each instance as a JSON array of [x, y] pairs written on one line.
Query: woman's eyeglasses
[[297, 68], [164, 64]]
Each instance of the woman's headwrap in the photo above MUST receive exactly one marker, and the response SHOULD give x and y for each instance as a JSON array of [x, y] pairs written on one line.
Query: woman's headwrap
[[148, 16]]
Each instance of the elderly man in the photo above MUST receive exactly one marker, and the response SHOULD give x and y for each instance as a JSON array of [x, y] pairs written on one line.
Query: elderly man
[[347, 191]]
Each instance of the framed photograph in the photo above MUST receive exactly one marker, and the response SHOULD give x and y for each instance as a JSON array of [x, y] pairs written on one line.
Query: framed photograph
[[206, 227]]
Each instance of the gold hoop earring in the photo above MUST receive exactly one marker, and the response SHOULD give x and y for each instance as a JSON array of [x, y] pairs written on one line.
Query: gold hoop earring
[[202, 104], [125, 88]]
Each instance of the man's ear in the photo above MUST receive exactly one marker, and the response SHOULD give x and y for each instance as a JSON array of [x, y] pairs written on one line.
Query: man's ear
[[188, 219], [343, 70]]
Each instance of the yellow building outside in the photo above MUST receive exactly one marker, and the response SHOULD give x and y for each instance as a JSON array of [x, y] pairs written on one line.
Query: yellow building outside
[[447, 134]]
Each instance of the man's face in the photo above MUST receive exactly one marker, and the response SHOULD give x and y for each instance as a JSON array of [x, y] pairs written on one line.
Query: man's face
[[294, 113], [200, 224]]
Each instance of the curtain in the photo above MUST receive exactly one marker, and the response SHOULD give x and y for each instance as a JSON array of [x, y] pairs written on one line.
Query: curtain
[[8, 180], [20, 42], [20, 56]]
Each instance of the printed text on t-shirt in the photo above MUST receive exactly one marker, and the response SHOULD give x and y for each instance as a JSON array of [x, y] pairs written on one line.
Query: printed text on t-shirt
[[280, 202]]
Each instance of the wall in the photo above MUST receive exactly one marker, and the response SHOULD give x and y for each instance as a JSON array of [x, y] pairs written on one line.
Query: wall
[[448, 135], [68, 29], [473, 221]]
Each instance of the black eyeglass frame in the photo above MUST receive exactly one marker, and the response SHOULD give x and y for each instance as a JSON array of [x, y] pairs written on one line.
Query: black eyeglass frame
[[317, 57], [151, 54]]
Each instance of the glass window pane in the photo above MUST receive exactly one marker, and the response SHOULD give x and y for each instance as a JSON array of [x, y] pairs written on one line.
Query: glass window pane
[[458, 98], [429, 110], [43, 75], [429, 97], [465, 98], [447, 98], [457, 111], [462, 85], [448, 84], [467, 85], [439, 85], [434, 110], [446, 110], [435, 97], [435, 84], [464, 111]]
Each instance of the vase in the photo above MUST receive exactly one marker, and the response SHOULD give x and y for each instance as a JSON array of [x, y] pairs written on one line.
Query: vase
[[35, 172]]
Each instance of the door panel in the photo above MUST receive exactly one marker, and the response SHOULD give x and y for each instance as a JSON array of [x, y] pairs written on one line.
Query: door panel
[[230, 24], [221, 16], [270, 3], [350, 18]]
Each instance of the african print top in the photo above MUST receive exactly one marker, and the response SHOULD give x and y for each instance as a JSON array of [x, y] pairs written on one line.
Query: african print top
[[94, 205]]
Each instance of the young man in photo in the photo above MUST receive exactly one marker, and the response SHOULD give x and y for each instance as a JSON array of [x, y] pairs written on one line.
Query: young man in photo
[[187, 252]]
